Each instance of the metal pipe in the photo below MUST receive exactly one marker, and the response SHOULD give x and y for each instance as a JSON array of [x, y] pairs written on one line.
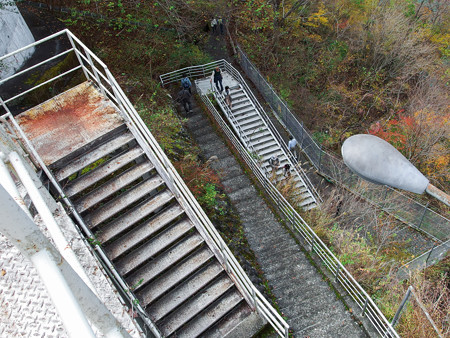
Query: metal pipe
[[33, 44], [438, 194], [9, 185], [27, 237], [42, 84], [36, 65], [47, 217]]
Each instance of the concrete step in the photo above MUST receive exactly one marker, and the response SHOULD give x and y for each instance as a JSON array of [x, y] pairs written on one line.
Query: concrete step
[[239, 322], [236, 182], [263, 143], [260, 136], [152, 268], [243, 112], [199, 263], [104, 170], [249, 119], [177, 275], [251, 127], [195, 305], [122, 201], [146, 230], [211, 316], [269, 150], [247, 116], [77, 153], [112, 186], [94, 155], [152, 248], [126, 221], [183, 292]]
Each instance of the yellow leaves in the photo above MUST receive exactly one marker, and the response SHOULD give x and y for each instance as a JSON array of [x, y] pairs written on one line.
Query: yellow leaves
[[443, 43], [318, 18]]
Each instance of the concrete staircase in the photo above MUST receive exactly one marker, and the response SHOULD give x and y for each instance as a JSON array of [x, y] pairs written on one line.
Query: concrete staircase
[[259, 140], [149, 238], [305, 299]]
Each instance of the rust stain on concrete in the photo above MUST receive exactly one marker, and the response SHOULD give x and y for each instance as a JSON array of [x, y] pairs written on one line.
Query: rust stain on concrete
[[68, 121]]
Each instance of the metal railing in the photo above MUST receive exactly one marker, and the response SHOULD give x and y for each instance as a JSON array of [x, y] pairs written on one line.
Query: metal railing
[[340, 273], [97, 72], [429, 258], [202, 71], [402, 207]]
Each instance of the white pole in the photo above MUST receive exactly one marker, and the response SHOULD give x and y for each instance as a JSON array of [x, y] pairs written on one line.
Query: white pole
[[9, 185], [47, 217], [25, 235]]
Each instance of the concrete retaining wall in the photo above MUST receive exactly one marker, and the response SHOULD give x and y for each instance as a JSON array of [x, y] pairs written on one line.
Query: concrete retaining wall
[[15, 34]]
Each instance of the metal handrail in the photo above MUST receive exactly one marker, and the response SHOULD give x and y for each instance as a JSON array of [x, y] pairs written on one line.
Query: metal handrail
[[274, 130], [166, 171], [318, 166], [341, 274], [199, 71]]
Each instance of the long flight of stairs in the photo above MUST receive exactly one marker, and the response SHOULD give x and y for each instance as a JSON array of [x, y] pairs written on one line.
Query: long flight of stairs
[[149, 238], [260, 141]]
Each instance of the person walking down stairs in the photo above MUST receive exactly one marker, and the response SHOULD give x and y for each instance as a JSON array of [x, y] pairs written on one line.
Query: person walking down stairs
[[184, 97]]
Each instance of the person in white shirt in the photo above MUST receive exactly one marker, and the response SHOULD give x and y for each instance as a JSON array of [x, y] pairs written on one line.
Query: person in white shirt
[[292, 146], [213, 25]]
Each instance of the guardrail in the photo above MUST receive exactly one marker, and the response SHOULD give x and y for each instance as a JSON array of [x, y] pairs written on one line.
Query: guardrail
[[402, 207], [340, 273], [429, 258], [97, 72], [202, 71]]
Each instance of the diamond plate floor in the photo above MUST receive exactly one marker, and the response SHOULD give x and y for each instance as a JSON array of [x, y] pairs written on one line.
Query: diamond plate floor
[[26, 307]]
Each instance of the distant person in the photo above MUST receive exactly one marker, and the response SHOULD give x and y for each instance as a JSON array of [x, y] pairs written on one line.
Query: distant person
[[213, 25], [274, 162], [184, 97], [186, 83], [220, 22], [217, 77], [292, 146], [287, 170], [228, 97]]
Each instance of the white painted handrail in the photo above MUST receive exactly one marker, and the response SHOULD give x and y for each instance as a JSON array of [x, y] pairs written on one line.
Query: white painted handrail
[[112, 90]]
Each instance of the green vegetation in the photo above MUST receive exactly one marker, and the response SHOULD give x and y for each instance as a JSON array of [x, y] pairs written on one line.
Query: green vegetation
[[347, 66]]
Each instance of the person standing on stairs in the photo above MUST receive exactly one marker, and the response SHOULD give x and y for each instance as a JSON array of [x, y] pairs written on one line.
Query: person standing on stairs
[[186, 83], [217, 77], [291, 145], [287, 170], [184, 97], [220, 23], [228, 97], [213, 25]]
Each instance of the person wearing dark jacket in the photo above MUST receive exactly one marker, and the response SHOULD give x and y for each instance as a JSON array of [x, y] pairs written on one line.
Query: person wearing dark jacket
[[184, 97], [217, 77]]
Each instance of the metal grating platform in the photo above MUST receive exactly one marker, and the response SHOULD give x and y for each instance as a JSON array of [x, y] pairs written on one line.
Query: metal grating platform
[[26, 308]]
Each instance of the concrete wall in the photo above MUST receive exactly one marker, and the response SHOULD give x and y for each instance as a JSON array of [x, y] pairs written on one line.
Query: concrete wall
[[14, 35]]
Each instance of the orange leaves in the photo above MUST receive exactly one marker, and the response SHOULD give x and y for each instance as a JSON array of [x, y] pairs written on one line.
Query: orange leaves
[[395, 131]]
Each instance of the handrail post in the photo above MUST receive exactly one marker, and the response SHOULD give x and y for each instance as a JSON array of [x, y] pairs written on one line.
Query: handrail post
[[425, 209], [94, 69], [400, 308], [4, 106], [336, 275], [365, 306], [76, 51]]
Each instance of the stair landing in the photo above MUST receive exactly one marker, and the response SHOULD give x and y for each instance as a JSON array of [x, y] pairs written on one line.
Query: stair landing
[[68, 121]]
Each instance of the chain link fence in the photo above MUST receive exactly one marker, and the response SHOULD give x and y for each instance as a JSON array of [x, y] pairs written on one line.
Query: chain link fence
[[429, 258], [402, 207]]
